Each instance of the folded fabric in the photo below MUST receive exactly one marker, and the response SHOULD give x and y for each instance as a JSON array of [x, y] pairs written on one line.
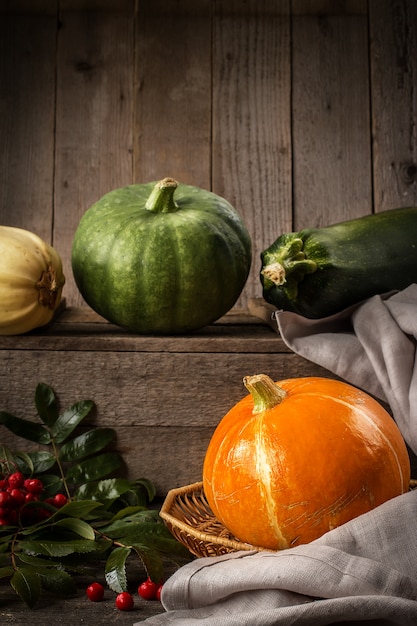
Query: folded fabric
[[371, 345], [364, 571]]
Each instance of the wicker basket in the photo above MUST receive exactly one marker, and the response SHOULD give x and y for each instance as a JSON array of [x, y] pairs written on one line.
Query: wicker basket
[[189, 518]]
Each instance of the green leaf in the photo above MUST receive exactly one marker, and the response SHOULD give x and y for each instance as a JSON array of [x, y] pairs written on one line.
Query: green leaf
[[155, 536], [115, 569], [119, 526], [70, 418], [152, 562], [51, 484], [58, 581], [58, 548], [8, 459], [77, 526], [128, 512], [86, 444], [5, 536], [40, 460], [25, 428], [24, 462], [103, 490], [46, 404], [142, 492], [131, 498], [37, 561], [6, 572], [27, 584], [146, 485], [79, 508], [95, 468]]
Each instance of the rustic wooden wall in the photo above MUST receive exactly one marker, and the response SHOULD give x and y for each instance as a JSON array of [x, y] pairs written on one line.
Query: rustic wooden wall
[[300, 113]]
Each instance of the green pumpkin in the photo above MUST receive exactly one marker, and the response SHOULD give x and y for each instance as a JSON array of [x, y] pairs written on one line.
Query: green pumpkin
[[161, 258]]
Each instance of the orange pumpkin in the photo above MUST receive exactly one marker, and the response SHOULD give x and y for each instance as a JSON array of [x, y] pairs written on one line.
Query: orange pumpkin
[[295, 459]]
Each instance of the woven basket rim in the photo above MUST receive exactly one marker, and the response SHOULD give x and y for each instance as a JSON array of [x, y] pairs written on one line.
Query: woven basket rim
[[172, 496], [196, 492]]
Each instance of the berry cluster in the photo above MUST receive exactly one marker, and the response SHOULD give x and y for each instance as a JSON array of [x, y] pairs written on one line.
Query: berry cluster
[[16, 492], [148, 590]]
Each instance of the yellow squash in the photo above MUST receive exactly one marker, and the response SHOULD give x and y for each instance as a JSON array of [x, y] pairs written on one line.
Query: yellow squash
[[31, 281]]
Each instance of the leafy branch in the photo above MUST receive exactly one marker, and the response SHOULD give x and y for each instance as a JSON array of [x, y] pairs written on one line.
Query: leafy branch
[[99, 516]]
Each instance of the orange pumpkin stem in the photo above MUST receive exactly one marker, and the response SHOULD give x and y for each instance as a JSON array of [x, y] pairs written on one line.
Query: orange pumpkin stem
[[265, 393]]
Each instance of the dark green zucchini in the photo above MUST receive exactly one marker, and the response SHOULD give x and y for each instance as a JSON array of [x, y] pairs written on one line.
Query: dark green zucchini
[[320, 271]]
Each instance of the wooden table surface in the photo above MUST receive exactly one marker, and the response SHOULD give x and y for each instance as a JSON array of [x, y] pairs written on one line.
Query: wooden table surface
[[78, 610]]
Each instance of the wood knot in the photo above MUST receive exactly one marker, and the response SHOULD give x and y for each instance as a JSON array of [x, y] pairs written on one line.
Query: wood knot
[[408, 172], [84, 66]]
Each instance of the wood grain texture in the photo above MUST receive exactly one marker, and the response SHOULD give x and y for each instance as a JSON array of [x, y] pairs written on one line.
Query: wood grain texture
[[393, 28], [252, 120], [77, 610], [331, 122], [329, 7], [173, 91], [43, 7], [134, 388], [94, 115], [164, 396], [266, 103], [27, 110]]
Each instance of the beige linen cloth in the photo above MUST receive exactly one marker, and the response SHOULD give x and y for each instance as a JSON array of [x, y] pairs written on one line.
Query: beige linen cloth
[[362, 572]]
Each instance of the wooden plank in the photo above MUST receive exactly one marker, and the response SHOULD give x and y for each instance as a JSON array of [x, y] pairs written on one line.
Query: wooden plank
[[212, 339], [133, 388], [28, 6], [78, 610], [95, 5], [27, 78], [331, 126], [252, 119], [94, 117], [393, 28], [172, 110], [329, 7], [163, 405], [83, 330]]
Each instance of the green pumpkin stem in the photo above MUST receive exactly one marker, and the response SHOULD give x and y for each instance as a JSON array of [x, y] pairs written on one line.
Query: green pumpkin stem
[[161, 199], [265, 393]]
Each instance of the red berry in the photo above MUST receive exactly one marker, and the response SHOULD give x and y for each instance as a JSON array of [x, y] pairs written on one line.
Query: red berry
[[95, 592], [3, 483], [30, 497], [59, 500], [124, 601], [5, 499], [16, 480], [18, 497], [147, 590], [33, 485], [158, 592]]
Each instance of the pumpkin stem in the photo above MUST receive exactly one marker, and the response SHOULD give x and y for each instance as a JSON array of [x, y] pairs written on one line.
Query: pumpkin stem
[[161, 199], [265, 393]]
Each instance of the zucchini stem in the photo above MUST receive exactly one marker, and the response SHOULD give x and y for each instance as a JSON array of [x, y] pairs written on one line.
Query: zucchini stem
[[288, 265]]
